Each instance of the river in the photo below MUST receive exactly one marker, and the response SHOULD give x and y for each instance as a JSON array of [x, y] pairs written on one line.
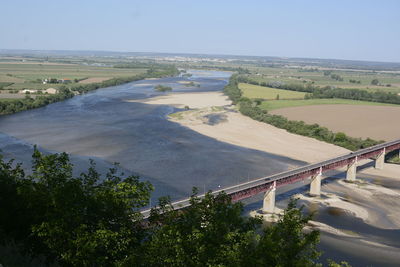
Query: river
[[104, 126]]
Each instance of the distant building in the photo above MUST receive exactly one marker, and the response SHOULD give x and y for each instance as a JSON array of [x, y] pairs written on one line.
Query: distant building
[[54, 80]]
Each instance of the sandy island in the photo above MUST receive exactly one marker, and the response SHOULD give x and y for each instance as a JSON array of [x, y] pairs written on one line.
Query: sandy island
[[236, 129]]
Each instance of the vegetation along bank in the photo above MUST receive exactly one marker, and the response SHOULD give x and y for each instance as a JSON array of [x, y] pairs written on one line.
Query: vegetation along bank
[[251, 108], [65, 92]]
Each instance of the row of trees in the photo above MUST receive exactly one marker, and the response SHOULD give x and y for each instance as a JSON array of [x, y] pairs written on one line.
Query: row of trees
[[250, 108], [13, 106], [51, 216], [329, 92]]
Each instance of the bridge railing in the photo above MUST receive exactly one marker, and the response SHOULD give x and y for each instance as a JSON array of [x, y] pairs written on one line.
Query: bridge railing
[[251, 188]]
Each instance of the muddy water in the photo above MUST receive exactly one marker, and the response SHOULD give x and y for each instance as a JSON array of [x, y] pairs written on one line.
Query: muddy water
[[104, 126]]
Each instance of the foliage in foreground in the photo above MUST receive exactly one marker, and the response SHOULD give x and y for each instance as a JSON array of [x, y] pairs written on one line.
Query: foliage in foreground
[[51, 216]]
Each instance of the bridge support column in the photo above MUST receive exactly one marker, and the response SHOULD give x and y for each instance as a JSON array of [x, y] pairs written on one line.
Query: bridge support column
[[269, 200], [351, 171], [380, 160], [315, 185]]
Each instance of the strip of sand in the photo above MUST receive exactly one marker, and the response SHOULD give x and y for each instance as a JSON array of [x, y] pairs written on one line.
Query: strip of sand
[[192, 100], [240, 130]]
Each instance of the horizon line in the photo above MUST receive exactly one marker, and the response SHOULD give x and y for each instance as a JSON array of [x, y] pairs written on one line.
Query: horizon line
[[194, 53]]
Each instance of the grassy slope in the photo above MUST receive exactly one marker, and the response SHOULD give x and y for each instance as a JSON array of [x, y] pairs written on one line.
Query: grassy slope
[[255, 91], [277, 104]]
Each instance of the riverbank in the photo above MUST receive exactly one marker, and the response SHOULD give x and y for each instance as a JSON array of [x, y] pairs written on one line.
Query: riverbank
[[65, 92], [369, 205], [228, 125]]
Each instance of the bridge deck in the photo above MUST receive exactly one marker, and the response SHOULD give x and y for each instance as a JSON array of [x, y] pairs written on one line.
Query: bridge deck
[[254, 187]]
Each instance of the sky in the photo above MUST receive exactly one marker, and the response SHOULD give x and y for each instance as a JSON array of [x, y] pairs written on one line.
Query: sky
[[339, 29]]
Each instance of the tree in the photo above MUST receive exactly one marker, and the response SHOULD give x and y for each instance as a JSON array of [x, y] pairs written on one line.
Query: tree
[[286, 244], [79, 221], [162, 88], [375, 82], [213, 232], [94, 221]]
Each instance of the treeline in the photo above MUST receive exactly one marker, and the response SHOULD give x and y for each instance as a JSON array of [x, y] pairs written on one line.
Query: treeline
[[52, 217], [17, 105], [329, 92], [250, 108], [13, 106]]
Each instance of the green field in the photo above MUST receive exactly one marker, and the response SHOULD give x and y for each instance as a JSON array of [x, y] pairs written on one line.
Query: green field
[[278, 104], [317, 78], [255, 91], [28, 75]]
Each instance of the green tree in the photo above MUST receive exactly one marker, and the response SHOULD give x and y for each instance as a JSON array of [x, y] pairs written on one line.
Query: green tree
[[375, 82], [213, 232], [79, 221], [286, 244]]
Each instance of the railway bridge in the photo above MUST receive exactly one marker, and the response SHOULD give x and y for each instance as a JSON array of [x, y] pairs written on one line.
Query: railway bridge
[[268, 185]]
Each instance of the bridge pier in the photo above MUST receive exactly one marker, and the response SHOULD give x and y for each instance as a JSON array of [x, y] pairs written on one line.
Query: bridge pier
[[351, 171], [315, 185], [269, 200], [380, 160]]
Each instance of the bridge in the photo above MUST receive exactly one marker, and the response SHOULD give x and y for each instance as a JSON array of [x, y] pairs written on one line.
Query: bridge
[[268, 185]]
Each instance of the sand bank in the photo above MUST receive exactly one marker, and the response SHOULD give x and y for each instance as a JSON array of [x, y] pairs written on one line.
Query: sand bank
[[240, 130], [192, 100]]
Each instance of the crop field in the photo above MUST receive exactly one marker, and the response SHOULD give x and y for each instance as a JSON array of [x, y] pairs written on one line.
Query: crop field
[[29, 75], [388, 81], [255, 91], [278, 104], [377, 122]]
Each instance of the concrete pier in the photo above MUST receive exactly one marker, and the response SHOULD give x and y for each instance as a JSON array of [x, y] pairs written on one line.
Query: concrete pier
[[351, 171], [269, 200], [315, 185], [380, 160]]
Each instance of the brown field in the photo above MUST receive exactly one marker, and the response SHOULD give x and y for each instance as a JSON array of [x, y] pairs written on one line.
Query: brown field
[[94, 80], [376, 122]]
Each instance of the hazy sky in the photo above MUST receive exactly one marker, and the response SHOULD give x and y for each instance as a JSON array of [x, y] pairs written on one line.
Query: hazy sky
[[342, 29]]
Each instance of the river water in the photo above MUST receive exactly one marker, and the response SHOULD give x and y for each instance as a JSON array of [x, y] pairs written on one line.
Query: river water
[[102, 125]]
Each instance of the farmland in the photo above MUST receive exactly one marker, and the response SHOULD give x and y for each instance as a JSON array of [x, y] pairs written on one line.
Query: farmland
[[255, 91], [377, 122], [360, 79], [278, 104], [15, 76]]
